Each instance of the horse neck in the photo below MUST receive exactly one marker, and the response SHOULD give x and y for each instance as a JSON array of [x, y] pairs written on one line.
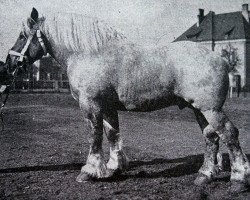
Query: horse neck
[[58, 53], [56, 49]]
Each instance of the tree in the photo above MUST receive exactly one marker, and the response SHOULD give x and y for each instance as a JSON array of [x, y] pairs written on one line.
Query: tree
[[231, 55]]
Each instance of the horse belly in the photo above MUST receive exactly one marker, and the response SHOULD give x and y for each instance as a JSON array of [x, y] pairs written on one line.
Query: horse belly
[[134, 100]]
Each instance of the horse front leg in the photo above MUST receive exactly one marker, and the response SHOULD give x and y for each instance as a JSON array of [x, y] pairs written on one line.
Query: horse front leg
[[95, 165], [118, 161]]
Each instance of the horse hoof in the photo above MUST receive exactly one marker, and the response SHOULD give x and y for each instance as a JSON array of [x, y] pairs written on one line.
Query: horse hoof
[[202, 180], [83, 177], [238, 187]]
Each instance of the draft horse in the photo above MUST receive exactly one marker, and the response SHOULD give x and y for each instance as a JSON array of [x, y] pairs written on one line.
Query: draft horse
[[107, 73]]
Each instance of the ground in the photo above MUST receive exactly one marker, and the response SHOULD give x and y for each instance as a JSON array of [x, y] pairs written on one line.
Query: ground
[[45, 143]]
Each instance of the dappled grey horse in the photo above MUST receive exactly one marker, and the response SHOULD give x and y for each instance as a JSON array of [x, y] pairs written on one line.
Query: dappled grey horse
[[107, 74]]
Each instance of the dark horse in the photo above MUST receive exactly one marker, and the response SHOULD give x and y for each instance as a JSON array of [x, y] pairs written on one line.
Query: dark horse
[[108, 74]]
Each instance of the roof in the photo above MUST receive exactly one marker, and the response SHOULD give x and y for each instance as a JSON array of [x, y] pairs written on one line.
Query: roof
[[226, 26]]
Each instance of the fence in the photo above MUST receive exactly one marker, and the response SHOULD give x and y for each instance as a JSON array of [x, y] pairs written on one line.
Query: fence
[[63, 86], [41, 86]]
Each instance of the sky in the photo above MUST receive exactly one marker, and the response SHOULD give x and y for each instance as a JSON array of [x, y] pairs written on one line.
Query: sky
[[142, 21]]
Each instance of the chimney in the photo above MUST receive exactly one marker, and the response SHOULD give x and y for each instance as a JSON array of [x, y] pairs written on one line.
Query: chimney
[[245, 12], [200, 17]]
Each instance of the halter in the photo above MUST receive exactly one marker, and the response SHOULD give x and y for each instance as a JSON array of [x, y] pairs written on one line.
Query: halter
[[21, 54]]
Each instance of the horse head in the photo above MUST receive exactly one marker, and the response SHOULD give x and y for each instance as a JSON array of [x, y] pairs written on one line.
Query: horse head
[[29, 46]]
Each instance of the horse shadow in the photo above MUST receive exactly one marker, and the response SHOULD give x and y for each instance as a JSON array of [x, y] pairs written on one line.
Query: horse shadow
[[183, 166]]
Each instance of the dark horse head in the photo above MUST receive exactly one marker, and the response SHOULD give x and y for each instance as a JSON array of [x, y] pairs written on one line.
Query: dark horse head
[[30, 45]]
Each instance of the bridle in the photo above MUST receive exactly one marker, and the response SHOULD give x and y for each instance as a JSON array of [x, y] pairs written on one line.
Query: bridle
[[21, 56]]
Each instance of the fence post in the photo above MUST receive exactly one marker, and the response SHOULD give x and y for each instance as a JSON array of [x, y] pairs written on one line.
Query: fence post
[[56, 85], [238, 84], [230, 92], [231, 83]]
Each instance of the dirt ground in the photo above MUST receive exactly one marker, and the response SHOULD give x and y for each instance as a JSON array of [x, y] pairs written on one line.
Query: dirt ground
[[45, 143]]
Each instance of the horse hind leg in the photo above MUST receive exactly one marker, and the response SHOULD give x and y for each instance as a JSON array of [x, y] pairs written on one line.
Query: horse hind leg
[[95, 166], [212, 159], [240, 167], [118, 161]]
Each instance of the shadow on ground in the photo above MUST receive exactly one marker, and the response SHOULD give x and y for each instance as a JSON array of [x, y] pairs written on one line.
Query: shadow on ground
[[185, 166]]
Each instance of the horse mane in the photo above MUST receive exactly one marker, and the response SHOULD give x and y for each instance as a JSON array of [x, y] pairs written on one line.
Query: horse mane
[[78, 33]]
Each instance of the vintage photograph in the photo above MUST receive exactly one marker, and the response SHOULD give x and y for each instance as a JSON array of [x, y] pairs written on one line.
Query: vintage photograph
[[120, 100]]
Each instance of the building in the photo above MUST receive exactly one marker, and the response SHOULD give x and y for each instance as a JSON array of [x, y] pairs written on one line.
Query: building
[[44, 75], [48, 74], [49, 69], [220, 31]]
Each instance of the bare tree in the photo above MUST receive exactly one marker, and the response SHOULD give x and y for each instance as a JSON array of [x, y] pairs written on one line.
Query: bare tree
[[231, 55]]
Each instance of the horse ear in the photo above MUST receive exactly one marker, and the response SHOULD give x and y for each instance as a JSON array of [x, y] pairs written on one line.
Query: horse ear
[[33, 19], [34, 14]]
